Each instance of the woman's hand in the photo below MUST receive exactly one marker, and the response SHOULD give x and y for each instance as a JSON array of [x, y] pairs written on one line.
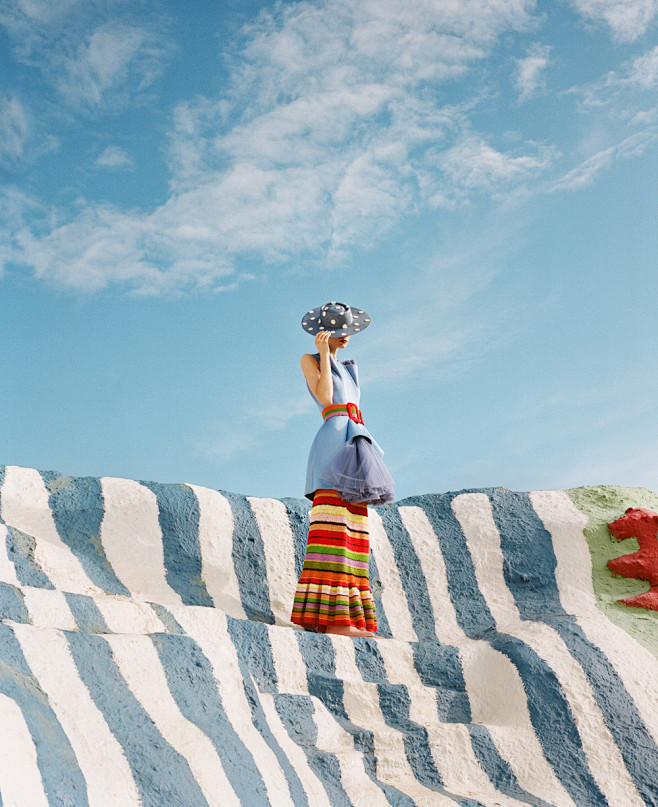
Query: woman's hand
[[322, 342]]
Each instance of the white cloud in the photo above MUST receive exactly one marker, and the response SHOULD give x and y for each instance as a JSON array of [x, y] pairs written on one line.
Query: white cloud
[[644, 71], [95, 58], [624, 89], [115, 62], [628, 19], [626, 95], [584, 174], [101, 245], [620, 117], [14, 130], [529, 76], [473, 164], [42, 11], [22, 138], [330, 131], [114, 157]]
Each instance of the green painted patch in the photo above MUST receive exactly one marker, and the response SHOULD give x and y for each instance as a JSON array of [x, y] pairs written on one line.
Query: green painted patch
[[601, 505]]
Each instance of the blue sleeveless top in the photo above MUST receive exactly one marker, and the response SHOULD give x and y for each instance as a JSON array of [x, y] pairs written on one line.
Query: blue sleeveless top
[[336, 433]]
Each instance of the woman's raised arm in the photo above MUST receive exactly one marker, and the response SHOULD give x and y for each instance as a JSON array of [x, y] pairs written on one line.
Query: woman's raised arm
[[317, 377]]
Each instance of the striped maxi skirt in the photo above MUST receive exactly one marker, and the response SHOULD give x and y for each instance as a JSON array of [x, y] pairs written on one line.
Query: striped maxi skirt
[[334, 588]]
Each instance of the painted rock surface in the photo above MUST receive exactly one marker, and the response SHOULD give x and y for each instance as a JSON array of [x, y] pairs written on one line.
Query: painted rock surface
[[146, 657]]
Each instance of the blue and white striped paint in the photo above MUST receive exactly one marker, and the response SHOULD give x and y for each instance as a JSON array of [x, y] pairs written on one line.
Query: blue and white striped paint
[[147, 658]]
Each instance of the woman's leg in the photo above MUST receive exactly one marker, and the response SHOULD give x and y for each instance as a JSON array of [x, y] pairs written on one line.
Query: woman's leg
[[347, 630]]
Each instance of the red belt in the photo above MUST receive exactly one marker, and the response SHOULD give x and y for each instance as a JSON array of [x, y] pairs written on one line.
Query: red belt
[[350, 409]]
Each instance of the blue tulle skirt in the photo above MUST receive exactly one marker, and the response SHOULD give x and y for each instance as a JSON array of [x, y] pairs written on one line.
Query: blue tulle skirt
[[358, 473]]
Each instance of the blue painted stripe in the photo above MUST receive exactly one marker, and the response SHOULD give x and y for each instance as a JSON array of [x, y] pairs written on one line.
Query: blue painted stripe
[[411, 574], [376, 586], [497, 769], [551, 717], [249, 561], [530, 561], [298, 512], [178, 514], [296, 713], [516, 519], [549, 709], [192, 684], [167, 618], [62, 779], [320, 660], [20, 550], [12, 604], [77, 508], [395, 705], [86, 614], [471, 608], [251, 643], [620, 713], [439, 667], [161, 774]]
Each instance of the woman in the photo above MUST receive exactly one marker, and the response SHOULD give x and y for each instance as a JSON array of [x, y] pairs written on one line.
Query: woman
[[345, 474]]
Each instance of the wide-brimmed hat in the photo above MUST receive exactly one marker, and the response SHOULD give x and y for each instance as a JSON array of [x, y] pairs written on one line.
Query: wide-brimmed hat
[[338, 318]]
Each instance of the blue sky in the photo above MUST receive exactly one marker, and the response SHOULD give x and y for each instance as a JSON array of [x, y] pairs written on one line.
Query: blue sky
[[182, 181]]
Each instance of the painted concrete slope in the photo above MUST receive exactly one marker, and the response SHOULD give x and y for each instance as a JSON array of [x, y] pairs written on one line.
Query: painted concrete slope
[[146, 657]]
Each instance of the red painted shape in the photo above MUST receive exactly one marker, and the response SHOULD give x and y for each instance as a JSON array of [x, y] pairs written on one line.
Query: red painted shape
[[643, 564]]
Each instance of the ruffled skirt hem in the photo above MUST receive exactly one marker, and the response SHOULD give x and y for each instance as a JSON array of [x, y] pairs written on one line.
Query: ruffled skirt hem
[[358, 473], [328, 605]]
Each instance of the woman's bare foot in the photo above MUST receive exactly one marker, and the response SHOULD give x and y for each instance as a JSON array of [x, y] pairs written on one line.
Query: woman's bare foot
[[347, 630]]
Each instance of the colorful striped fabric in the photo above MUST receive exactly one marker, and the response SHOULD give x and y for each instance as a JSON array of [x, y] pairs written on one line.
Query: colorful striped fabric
[[334, 588], [350, 409]]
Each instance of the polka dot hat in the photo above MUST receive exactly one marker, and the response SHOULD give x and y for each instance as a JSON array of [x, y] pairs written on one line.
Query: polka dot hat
[[338, 318]]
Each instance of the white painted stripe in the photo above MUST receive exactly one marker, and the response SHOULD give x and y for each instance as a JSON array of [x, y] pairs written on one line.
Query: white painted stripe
[[573, 572], [493, 684], [393, 597], [361, 701], [48, 608], [216, 541], [140, 666], [122, 615], [279, 548], [100, 756], [7, 568], [332, 737], [315, 792], [498, 701], [606, 763], [635, 665], [450, 743], [428, 550], [20, 779], [209, 629], [132, 540], [24, 504], [288, 662]]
